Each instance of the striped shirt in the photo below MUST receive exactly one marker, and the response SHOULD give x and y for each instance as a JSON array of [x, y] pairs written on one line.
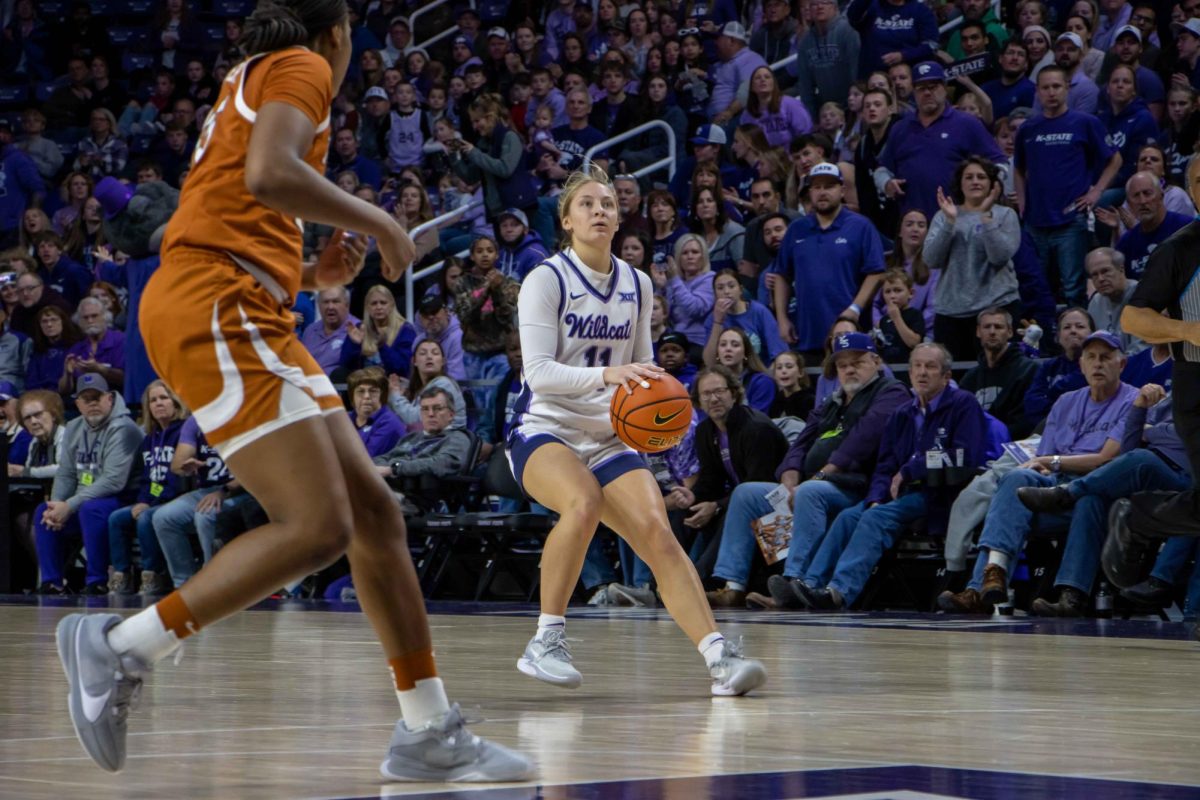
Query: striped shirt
[[1170, 283]]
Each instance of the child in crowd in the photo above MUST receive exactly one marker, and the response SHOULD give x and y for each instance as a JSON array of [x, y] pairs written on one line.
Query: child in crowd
[[904, 327]]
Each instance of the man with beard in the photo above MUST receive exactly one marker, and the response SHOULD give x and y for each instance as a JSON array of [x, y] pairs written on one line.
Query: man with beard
[[1144, 195], [924, 149], [94, 479], [1012, 89], [774, 230], [1004, 373], [101, 350], [832, 260], [765, 199]]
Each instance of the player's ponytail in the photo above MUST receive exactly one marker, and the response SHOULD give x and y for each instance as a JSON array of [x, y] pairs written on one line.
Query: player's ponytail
[[576, 181], [279, 24]]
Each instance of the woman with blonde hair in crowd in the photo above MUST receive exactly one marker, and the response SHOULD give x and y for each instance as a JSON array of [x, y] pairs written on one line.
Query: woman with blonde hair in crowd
[[163, 414], [687, 283], [413, 208], [384, 338]]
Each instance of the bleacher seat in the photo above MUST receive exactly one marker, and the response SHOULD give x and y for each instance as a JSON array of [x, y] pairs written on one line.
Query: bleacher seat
[[137, 62], [234, 8], [14, 95]]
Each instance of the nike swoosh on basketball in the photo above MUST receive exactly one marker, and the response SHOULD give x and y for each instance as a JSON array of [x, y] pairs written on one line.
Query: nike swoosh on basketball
[[659, 419], [93, 705]]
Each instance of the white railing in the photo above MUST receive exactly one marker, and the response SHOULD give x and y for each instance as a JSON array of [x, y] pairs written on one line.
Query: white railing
[[668, 162], [411, 277], [786, 61], [412, 24]]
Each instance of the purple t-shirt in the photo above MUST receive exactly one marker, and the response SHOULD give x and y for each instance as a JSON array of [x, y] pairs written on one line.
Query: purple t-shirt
[[792, 120], [1077, 425], [109, 350], [726, 458]]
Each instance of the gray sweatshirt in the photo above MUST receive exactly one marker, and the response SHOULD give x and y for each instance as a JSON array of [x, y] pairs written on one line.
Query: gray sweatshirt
[[826, 66], [97, 462], [975, 260], [35, 454]]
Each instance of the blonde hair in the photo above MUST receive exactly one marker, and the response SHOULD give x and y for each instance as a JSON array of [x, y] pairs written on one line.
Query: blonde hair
[[575, 182], [375, 335], [148, 422]]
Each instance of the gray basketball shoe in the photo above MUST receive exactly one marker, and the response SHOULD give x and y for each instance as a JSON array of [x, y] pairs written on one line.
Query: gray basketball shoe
[[548, 659], [103, 686], [446, 751], [735, 674]]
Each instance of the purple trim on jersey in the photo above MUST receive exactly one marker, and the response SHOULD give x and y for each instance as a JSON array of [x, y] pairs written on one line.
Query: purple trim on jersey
[[637, 287], [612, 289], [612, 468]]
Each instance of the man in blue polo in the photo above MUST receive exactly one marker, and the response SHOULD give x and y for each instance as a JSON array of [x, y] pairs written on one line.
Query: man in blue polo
[[924, 148], [1144, 194], [832, 259], [1056, 154]]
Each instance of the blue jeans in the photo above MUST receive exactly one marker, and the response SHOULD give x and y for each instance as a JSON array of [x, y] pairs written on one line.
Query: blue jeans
[[120, 524], [813, 505], [1135, 471], [1009, 522], [1065, 245], [91, 521], [636, 571], [597, 569], [173, 526], [857, 540], [485, 367]]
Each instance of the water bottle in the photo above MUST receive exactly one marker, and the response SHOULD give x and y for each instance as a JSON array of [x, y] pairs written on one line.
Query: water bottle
[[1104, 602]]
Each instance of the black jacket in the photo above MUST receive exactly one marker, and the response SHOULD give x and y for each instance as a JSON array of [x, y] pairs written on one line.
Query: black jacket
[[1001, 389], [756, 446]]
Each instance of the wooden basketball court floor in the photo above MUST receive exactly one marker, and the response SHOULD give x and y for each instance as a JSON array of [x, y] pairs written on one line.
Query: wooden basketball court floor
[[292, 701]]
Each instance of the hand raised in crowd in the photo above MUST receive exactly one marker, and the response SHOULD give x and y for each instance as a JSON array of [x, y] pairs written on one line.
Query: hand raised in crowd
[[627, 374], [992, 197], [495, 279], [396, 385], [658, 276], [894, 188], [1107, 216], [354, 332], [1149, 395], [947, 205]]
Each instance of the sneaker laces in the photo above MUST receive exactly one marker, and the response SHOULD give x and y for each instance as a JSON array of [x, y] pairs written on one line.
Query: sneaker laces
[[554, 645], [128, 695], [732, 651]]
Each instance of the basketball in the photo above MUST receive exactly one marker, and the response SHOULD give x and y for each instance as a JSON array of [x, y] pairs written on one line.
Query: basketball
[[654, 419]]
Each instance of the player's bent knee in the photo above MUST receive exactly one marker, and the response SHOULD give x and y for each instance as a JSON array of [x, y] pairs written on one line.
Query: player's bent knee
[[583, 511], [326, 537]]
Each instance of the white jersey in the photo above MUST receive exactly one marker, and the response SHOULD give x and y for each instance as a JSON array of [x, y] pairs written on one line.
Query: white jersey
[[574, 322]]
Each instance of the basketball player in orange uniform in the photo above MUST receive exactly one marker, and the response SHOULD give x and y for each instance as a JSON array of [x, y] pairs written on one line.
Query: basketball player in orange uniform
[[585, 326], [218, 329]]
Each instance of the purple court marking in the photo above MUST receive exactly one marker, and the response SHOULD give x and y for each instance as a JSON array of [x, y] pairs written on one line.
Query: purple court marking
[[1151, 629], [869, 783]]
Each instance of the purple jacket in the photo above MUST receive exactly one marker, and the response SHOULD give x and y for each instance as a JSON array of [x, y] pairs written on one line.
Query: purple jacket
[[381, 432], [956, 427]]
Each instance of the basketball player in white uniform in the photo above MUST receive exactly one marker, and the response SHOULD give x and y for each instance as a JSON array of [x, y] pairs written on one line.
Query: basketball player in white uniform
[[585, 327]]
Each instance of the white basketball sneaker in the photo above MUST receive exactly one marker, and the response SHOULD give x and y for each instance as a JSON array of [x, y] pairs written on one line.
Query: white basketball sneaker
[[549, 659]]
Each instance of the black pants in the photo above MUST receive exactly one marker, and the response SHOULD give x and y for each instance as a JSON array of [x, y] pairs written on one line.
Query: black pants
[[1161, 514]]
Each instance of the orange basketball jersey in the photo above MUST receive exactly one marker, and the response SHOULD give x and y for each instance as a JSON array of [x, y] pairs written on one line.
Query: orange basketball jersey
[[216, 210]]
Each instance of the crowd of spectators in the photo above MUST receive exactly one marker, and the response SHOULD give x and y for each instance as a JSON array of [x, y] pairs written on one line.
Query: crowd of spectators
[[896, 238]]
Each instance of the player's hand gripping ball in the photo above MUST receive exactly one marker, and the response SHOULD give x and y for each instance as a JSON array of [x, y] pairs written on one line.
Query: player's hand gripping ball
[[652, 419]]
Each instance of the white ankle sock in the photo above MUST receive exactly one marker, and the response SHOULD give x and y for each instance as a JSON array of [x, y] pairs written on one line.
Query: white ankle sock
[[424, 703], [998, 558], [550, 622], [712, 647], [735, 586], [144, 636]]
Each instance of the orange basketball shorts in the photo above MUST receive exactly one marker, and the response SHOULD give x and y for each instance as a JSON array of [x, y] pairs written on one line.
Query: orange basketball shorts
[[226, 346]]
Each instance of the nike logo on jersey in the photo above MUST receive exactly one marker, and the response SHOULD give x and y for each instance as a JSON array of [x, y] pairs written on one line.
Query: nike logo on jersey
[[577, 296], [93, 705], [659, 419]]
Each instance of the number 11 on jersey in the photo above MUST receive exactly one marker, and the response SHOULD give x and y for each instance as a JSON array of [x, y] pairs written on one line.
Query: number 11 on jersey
[[597, 357]]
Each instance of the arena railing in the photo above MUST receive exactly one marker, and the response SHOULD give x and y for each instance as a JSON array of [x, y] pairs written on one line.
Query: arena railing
[[411, 277], [412, 25], [668, 163]]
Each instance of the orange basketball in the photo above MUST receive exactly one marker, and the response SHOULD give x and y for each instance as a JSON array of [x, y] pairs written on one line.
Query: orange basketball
[[652, 420]]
